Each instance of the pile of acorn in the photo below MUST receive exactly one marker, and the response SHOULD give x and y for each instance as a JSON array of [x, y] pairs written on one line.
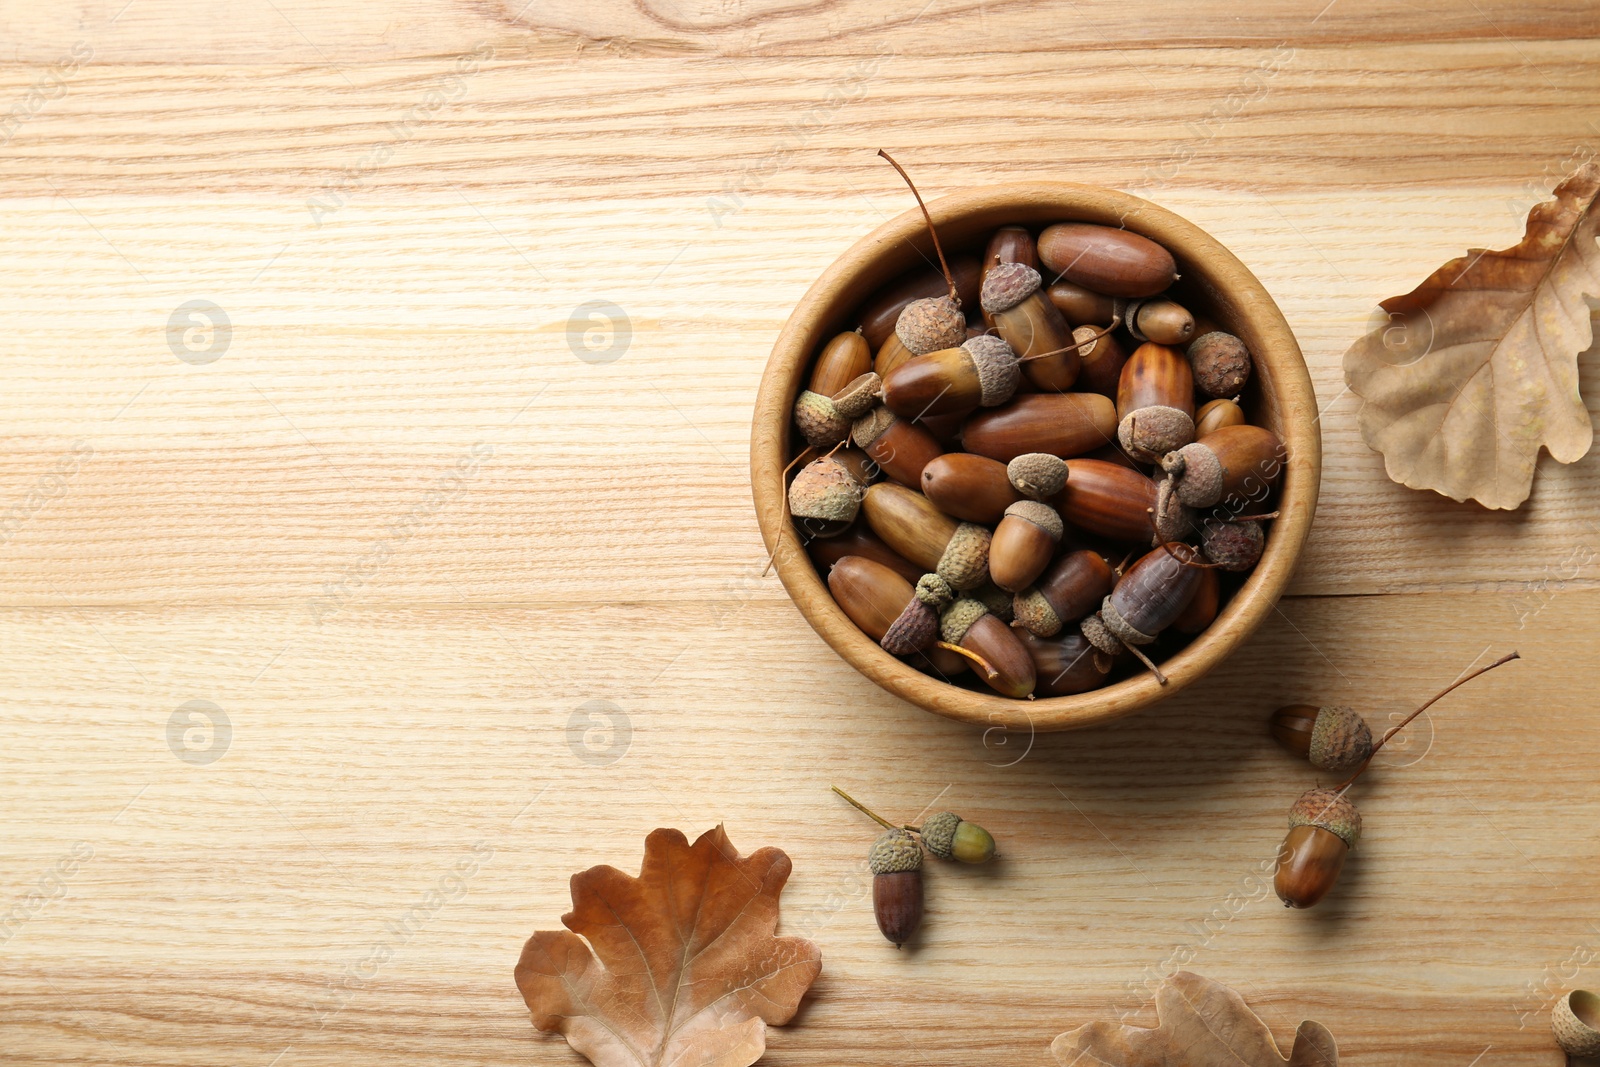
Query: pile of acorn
[[1019, 482]]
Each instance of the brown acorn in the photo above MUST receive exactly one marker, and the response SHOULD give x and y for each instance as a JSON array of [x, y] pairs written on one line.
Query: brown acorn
[[1234, 545], [882, 310], [1031, 325], [1147, 599], [1084, 307], [910, 525], [1023, 544], [1008, 244], [1119, 503], [969, 487], [1214, 415], [1162, 321], [1106, 259], [1006, 666], [1065, 666], [1236, 463], [859, 540], [1323, 827], [825, 496], [843, 359], [1202, 609], [1102, 358], [1155, 402], [901, 448], [1221, 363], [981, 372], [1071, 588], [899, 617], [1061, 424], [896, 865], [1334, 738]]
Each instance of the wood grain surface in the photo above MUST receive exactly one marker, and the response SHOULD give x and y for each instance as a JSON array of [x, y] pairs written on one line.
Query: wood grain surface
[[325, 662]]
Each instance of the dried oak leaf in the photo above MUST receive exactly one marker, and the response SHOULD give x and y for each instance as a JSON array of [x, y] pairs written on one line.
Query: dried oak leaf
[[679, 966], [1201, 1023], [1476, 368]]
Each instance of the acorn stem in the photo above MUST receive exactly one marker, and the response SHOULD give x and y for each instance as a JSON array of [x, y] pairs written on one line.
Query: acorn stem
[[973, 656], [1142, 658], [1252, 518], [866, 810], [1067, 348], [955, 298], [1463, 680]]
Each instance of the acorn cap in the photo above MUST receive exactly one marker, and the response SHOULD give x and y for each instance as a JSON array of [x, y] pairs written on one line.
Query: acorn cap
[[1152, 431], [895, 851], [1041, 515], [965, 563], [1329, 809], [871, 426], [1034, 613], [930, 324], [820, 421], [1575, 1033], [1007, 285], [915, 629], [1095, 632], [1120, 627], [1172, 520], [935, 592], [959, 617], [857, 398], [1037, 474], [997, 600], [1233, 546], [999, 374], [939, 832], [1196, 474], [1340, 739], [1221, 363], [825, 490]]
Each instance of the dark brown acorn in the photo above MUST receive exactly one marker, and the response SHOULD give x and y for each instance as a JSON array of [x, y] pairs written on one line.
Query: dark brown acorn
[[980, 372], [1334, 738], [899, 617], [859, 540], [1235, 544], [1005, 664], [1061, 424], [896, 865], [1237, 463], [1023, 544], [1119, 503], [1071, 588], [1323, 827], [1066, 666], [1008, 244], [1107, 260], [1031, 325], [1221, 363], [1155, 402], [882, 310], [1202, 609], [902, 449], [969, 487], [1147, 599], [1102, 357]]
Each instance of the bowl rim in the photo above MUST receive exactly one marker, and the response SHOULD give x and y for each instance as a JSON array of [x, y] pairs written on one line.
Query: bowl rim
[[1243, 305]]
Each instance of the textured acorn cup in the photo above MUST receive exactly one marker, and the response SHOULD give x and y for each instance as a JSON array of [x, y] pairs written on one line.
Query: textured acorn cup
[[950, 837], [1061, 424], [1162, 321], [1031, 325], [1576, 1022], [843, 359], [902, 449], [858, 396], [982, 372], [1023, 544], [1117, 502], [969, 624], [1323, 827], [1155, 402], [1066, 666], [1233, 546], [1037, 475], [1070, 589], [929, 324], [1334, 738], [1235, 463], [819, 420], [826, 494], [882, 310], [1107, 260], [969, 487], [896, 865], [1221, 363]]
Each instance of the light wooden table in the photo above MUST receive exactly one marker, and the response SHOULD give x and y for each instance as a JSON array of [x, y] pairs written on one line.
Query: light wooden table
[[413, 539]]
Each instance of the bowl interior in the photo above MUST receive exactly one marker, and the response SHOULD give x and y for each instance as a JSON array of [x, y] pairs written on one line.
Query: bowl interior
[[1214, 283]]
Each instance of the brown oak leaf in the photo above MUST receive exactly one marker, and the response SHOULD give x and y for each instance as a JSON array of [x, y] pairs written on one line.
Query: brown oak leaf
[[1476, 368], [1201, 1023], [679, 966]]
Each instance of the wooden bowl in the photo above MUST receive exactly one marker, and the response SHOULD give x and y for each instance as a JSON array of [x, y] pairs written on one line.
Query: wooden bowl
[[1221, 288]]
